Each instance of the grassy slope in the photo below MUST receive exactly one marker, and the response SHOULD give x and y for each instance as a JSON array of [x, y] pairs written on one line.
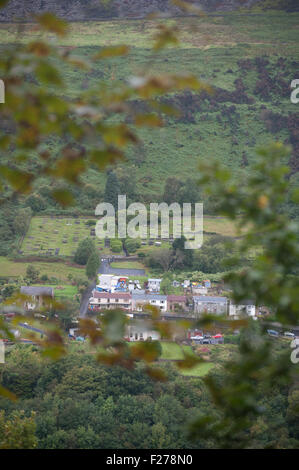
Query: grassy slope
[[58, 270], [210, 48]]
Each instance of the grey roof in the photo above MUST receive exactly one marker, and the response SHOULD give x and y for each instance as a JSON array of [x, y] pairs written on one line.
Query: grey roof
[[37, 290], [148, 297], [243, 302], [207, 298]]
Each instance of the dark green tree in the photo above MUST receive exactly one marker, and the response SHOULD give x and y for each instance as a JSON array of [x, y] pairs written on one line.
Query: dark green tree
[[32, 273], [180, 256], [84, 250], [112, 189], [92, 265]]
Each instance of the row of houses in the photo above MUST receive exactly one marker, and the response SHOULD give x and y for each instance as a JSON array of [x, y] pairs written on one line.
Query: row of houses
[[37, 297], [136, 302]]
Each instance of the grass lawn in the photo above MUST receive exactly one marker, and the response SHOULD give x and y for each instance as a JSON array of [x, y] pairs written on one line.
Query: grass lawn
[[64, 291], [59, 270], [198, 371], [222, 226], [127, 265], [173, 351]]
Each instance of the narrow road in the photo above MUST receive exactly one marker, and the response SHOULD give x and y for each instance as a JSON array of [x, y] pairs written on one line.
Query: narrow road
[[85, 298], [106, 269]]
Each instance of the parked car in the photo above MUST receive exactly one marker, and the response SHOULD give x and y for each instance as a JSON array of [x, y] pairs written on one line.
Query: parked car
[[206, 341], [288, 334], [196, 338], [272, 333]]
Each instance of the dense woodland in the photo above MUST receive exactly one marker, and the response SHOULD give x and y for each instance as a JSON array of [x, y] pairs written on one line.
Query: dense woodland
[[77, 403]]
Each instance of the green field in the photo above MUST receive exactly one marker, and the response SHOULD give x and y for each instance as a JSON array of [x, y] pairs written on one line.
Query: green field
[[199, 370], [64, 291], [58, 270], [127, 265], [173, 351]]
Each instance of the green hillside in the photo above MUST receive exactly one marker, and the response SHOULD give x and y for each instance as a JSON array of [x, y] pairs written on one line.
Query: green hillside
[[249, 59]]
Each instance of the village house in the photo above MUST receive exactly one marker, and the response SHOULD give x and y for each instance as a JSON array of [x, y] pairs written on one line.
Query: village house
[[212, 305], [177, 303], [140, 300], [247, 308], [140, 330], [39, 296], [110, 300], [153, 285], [198, 289]]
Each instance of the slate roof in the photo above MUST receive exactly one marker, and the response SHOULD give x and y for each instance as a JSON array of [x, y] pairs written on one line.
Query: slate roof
[[148, 297], [37, 290], [207, 298]]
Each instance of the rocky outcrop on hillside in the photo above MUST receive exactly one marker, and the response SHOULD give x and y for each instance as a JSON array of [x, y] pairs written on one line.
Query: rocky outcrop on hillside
[[72, 10]]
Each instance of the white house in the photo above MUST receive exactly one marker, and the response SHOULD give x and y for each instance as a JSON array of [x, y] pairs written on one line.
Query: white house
[[140, 300], [140, 330], [37, 297], [246, 308], [213, 305], [153, 285]]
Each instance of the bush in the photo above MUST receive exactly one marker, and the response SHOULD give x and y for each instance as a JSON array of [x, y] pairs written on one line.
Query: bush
[[232, 339], [84, 250], [116, 246], [132, 244]]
